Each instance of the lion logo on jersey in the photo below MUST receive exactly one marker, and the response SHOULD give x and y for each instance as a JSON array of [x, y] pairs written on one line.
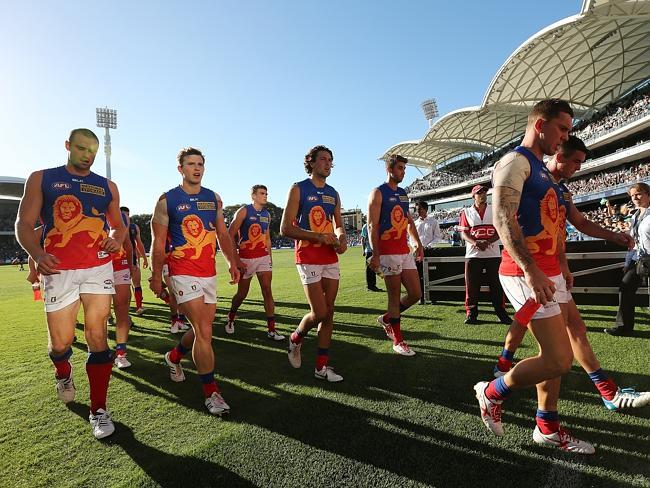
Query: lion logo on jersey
[[398, 222], [196, 237], [552, 217], [69, 221], [255, 237], [318, 222]]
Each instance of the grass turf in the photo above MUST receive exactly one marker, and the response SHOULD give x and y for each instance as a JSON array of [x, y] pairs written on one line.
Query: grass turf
[[394, 421]]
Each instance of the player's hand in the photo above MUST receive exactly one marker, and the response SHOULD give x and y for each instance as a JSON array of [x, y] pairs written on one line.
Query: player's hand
[[145, 263], [235, 275], [624, 239], [543, 288], [32, 277], [568, 277], [482, 245], [110, 245], [46, 264], [373, 263], [156, 286], [329, 239], [419, 253], [342, 247]]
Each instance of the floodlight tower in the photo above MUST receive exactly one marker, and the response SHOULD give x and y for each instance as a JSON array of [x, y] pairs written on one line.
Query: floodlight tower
[[107, 118], [430, 109]]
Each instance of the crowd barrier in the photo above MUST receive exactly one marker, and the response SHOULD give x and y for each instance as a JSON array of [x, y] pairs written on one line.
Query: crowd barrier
[[597, 268]]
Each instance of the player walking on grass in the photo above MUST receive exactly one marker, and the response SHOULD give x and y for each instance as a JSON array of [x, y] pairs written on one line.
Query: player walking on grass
[[250, 230], [191, 216], [312, 216], [80, 211], [389, 222], [138, 252], [562, 167], [529, 215], [122, 281]]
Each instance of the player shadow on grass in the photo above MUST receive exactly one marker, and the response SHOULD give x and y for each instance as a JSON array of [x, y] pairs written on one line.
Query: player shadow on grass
[[375, 377], [164, 468]]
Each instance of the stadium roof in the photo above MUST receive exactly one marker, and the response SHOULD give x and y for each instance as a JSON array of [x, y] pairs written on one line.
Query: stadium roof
[[589, 59], [11, 186]]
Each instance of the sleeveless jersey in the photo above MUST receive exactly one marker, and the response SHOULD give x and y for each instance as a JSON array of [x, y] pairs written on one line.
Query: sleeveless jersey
[[393, 220], [253, 233], [542, 217], [315, 213], [74, 218], [192, 232], [120, 259]]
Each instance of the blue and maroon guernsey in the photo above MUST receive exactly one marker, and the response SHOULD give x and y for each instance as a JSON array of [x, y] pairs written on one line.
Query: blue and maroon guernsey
[[74, 218], [542, 217], [253, 233], [315, 213], [120, 259], [192, 232], [393, 221]]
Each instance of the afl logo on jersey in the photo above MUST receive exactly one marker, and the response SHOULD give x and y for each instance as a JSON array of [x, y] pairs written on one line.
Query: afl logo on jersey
[[61, 185], [543, 175], [252, 218], [312, 198], [183, 207], [392, 199]]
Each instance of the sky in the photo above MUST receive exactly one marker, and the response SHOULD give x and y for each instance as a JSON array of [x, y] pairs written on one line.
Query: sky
[[254, 84]]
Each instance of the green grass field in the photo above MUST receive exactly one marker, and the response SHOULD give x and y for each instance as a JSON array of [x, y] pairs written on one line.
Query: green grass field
[[394, 421]]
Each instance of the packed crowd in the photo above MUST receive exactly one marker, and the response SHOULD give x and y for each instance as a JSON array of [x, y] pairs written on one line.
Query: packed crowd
[[608, 119], [614, 116], [610, 178]]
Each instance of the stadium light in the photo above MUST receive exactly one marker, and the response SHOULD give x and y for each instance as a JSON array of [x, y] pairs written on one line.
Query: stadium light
[[107, 118], [430, 109]]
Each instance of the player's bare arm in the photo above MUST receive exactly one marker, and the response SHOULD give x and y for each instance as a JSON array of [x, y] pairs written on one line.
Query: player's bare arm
[[140, 250], [287, 228], [236, 223], [28, 213], [118, 230], [586, 226], [413, 233], [159, 227], [374, 211], [226, 245], [339, 229]]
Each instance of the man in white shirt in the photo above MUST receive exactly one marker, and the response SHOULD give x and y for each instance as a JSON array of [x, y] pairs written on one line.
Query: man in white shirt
[[429, 232], [482, 255]]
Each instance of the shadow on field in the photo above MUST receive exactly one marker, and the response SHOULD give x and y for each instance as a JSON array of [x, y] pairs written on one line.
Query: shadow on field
[[182, 469]]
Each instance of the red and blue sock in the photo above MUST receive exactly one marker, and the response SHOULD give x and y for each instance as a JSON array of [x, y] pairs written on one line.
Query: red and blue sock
[[176, 354], [604, 383], [62, 365], [397, 329], [322, 358], [297, 336], [497, 390], [548, 421], [137, 293], [120, 349], [209, 384], [270, 323], [98, 368], [504, 363]]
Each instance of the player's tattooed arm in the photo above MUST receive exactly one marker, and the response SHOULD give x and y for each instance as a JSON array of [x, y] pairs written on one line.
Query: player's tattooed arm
[[506, 203], [227, 245]]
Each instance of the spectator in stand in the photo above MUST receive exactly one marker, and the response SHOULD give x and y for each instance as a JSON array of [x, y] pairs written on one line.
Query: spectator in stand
[[640, 194], [429, 233], [482, 255], [371, 276]]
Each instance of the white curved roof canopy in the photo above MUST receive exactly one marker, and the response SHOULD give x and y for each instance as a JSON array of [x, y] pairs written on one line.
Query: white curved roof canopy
[[589, 59]]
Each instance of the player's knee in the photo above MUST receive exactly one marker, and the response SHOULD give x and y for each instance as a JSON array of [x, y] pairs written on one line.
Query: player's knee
[[94, 335], [59, 346]]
